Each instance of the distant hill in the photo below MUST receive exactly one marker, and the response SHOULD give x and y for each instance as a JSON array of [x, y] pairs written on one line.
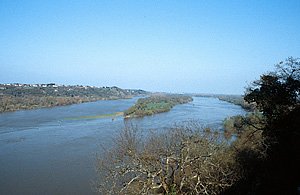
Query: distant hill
[[28, 96]]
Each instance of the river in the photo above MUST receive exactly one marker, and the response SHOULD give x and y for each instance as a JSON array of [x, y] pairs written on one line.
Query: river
[[53, 150]]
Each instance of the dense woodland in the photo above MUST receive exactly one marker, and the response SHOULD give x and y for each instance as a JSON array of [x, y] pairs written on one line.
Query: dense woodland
[[255, 154], [29, 96]]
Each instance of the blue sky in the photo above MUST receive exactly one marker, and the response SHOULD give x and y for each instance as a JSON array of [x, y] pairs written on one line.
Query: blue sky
[[172, 46]]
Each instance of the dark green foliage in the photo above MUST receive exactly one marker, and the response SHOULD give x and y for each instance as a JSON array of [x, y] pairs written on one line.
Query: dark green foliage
[[276, 95], [155, 104]]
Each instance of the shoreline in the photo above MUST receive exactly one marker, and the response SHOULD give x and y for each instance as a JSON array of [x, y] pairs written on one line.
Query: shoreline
[[58, 101]]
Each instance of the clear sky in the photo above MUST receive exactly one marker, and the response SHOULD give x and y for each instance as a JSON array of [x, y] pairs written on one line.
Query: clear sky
[[173, 46]]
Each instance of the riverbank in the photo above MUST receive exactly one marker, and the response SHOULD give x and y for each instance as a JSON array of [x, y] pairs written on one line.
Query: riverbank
[[237, 100], [11, 103], [233, 99], [15, 97]]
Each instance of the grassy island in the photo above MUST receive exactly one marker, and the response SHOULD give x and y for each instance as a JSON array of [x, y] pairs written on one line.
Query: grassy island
[[155, 104]]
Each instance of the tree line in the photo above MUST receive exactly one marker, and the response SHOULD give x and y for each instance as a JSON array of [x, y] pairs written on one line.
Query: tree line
[[23, 96]]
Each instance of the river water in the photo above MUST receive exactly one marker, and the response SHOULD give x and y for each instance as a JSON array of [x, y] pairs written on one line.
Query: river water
[[46, 151]]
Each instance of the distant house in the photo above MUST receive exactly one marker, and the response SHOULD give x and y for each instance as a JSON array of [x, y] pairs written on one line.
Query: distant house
[[51, 85]]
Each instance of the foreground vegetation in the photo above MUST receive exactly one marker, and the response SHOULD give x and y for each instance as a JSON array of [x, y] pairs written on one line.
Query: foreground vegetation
[[182, 160], [24, 96], [256, 154], [155, 104], [185, 159]]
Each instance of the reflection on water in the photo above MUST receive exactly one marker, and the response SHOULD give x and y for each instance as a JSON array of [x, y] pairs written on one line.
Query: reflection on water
[[42, 152]]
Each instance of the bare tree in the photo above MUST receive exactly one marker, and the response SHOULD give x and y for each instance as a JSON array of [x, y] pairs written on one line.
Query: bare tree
[[182, 160]]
